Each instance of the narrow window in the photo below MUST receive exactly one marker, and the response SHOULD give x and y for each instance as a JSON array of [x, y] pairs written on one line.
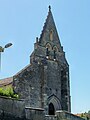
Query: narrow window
[[51, 35], [54, 55], [47, 52], [48, 49], [55, 48]]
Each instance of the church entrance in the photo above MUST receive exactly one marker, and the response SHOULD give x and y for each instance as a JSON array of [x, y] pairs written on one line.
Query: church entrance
[[51, 109]]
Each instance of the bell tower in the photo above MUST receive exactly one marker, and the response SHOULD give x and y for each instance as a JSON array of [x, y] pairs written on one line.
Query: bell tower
[[49, 54], [48, 45]]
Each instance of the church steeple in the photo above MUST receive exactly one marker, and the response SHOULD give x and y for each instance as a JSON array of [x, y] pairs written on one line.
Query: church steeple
[[48, 45], [49, 33]]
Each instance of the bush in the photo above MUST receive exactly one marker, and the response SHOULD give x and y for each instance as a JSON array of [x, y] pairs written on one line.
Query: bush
[[8, 91]]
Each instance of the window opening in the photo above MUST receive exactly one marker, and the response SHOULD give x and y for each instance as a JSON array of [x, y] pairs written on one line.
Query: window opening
[[51, 35], [54, 55]]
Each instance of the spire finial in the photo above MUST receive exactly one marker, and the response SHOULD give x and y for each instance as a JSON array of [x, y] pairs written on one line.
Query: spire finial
[[49, 8]]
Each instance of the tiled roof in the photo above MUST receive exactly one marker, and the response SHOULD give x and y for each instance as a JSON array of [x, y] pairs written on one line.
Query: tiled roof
[[78, 114], [6, 81]]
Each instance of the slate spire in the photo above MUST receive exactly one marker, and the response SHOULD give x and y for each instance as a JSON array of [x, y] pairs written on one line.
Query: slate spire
[[49, 32]]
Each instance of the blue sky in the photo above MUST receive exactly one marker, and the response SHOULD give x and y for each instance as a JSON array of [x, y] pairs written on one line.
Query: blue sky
[[21, 21]]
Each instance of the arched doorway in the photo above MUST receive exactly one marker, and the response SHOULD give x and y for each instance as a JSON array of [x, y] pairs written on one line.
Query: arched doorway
[[51, 109]]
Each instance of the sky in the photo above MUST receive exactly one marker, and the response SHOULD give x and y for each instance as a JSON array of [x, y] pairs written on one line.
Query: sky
[[21, 21]]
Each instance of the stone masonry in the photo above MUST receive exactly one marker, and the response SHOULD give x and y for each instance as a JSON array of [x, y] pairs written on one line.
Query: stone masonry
[[44, 83]]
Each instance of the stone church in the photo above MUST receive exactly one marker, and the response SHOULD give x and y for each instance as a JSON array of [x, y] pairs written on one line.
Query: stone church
[[45, 82]]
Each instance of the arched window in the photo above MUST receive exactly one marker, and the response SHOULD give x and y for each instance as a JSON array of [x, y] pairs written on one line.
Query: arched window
[[51, 109], [48, 46], [55, 49], [51, 35]]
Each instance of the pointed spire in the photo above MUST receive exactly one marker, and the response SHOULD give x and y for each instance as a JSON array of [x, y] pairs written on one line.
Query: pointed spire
[[49, 26], [46, 22]]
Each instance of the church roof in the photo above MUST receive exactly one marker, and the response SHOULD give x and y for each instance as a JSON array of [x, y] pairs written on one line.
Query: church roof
[[6, 81]]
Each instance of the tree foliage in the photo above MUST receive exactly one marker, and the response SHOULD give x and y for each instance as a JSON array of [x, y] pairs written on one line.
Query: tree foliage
[[86, 115], [8, 91]]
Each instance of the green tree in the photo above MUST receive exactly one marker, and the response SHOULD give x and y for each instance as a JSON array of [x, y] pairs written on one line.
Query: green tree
[[8, 91]]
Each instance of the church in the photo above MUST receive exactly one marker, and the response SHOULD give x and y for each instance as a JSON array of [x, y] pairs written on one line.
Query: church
[[44, 84]]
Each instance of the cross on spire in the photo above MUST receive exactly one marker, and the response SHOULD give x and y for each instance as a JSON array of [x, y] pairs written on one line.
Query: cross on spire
[[49, 8]]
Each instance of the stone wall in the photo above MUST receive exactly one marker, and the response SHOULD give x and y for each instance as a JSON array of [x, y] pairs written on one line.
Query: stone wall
[[28, 84], [50, 117], [63, 115], [12, 107], [34, 113]]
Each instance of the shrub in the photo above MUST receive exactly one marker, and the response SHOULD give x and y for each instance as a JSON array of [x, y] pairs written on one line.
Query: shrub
[[8, 91]]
